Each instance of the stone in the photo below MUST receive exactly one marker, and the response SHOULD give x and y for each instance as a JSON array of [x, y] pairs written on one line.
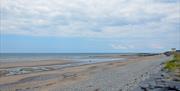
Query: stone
[[178, 87], [69, 75], [138, 89], [160, 89], [144, 88]]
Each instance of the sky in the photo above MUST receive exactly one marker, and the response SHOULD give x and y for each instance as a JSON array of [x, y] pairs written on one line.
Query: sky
[[83, 26]]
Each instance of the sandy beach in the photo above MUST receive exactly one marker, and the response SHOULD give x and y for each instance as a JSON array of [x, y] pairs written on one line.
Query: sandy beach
[[104, 76]]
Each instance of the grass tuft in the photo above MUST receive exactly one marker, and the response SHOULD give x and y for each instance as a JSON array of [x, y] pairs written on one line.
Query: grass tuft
[[174, 64]]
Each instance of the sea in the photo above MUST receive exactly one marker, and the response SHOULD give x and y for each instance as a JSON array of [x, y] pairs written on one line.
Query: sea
[[79, 57]]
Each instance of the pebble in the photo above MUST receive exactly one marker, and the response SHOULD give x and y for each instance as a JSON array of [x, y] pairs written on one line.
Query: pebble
[[158, 82]]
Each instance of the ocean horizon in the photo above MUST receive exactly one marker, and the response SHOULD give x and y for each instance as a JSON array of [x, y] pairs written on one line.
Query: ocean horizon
[[13, 57]]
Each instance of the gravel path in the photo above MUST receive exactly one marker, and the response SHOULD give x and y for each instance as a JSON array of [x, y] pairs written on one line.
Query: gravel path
[[123, 78]]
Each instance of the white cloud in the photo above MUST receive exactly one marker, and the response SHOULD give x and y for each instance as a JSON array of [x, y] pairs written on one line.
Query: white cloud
[[157, 46], [121, 46], [92, 18]]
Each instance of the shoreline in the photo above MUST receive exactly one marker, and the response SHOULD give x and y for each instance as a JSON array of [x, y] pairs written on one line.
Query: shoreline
[[48, 80], [18, 68]]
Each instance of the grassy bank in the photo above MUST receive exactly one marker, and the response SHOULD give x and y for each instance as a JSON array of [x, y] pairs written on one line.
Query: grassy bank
[[174, 64]]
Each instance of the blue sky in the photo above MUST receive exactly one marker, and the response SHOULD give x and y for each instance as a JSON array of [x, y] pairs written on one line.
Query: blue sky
[[89, 26]]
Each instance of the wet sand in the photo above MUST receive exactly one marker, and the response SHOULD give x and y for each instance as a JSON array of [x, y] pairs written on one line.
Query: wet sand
[[91, 77], [32, 63]]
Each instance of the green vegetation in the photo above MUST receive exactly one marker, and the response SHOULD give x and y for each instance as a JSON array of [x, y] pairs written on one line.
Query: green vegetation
[[174, 64]]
